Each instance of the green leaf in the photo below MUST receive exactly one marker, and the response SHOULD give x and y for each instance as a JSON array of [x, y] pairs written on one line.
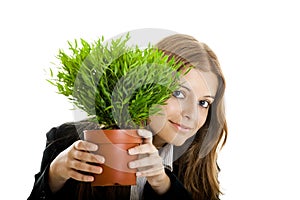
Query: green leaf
[[89, 72]]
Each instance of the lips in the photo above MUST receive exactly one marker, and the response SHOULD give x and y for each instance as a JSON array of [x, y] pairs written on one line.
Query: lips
[[180, 126]]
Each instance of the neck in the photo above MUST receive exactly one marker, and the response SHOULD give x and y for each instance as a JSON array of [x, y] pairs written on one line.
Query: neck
[[158, 142]]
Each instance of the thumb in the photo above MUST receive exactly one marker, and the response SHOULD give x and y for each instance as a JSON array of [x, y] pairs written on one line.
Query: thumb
[[147, 135]]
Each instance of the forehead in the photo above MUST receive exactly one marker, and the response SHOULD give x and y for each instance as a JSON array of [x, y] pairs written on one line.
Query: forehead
[[202, 83]]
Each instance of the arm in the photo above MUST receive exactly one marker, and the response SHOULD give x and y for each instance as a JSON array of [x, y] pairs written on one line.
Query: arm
[[64, 155], [41, 189], [161, 183]]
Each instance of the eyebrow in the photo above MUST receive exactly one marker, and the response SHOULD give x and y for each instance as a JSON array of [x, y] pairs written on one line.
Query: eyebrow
[[209, 96], [185, 87], [188, 89]]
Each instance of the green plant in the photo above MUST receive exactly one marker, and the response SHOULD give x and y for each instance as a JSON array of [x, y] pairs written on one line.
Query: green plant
[[118, 84]]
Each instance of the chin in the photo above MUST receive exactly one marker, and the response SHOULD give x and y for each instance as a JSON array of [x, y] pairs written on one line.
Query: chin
[[178, 143]]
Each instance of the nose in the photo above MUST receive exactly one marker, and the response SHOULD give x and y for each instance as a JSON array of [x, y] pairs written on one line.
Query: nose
[[189, 110]]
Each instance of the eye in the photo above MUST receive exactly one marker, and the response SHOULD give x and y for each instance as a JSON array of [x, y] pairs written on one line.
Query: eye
[[204, 104], [178, 94]]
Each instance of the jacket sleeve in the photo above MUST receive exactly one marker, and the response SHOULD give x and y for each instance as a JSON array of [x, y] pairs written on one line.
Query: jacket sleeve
[[176, 191], [58, 139]]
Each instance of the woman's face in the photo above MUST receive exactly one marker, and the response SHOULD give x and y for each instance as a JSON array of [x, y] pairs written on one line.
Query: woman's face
[[187, 109]]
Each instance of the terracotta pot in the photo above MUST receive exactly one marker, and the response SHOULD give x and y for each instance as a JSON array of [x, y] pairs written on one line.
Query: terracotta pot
[[114, 145]]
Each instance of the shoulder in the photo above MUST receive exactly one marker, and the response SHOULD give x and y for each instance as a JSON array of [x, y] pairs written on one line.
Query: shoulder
[[63, 131], [68, 129], [69, 132]]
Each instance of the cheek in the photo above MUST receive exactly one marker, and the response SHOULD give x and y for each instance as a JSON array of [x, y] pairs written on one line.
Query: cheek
[[173, 107], [158, 121], [202, 118], [170, 110]]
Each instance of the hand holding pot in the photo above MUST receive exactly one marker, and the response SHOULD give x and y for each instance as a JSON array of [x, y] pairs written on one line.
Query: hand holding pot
[[73, 163], [150, 164]]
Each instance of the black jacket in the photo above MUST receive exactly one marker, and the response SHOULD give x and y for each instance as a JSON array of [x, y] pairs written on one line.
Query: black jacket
[[60, 138]]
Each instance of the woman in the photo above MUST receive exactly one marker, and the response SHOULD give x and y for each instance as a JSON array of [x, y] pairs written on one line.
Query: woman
[[192, 126]]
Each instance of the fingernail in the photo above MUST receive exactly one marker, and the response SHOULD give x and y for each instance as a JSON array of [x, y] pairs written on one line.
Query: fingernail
[[144, 133], [141, 131], [131, 151], [101, 159], [94, 147], [90, 179], [131, 165]]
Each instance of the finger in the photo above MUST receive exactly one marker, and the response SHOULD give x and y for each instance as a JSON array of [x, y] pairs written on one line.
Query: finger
[[81, 177], [151, 172], [85, 167], [145, 134], [85, 146], [87, 157], [143, 149], [144, 162]]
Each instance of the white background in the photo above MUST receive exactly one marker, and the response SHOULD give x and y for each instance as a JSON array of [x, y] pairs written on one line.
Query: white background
[[257, 43]]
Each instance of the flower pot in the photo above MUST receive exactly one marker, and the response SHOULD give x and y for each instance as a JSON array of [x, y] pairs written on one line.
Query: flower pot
[[114, 145]]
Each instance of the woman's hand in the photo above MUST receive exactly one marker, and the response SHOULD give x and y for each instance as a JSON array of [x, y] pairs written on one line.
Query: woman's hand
[[150, 164], [74, 162]]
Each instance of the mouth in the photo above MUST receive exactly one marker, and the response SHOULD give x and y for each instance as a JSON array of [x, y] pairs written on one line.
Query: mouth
[[180, 127]]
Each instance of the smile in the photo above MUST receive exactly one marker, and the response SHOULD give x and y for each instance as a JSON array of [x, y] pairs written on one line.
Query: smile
[[180, 127]]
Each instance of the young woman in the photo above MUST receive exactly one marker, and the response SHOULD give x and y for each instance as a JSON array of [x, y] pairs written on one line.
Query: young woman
[[179, 154]]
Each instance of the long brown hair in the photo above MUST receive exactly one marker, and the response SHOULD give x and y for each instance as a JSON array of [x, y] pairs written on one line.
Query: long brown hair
[[198, 169]]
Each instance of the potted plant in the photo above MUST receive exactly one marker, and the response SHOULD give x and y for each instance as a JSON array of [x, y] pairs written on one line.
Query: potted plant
[[119, 86]]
